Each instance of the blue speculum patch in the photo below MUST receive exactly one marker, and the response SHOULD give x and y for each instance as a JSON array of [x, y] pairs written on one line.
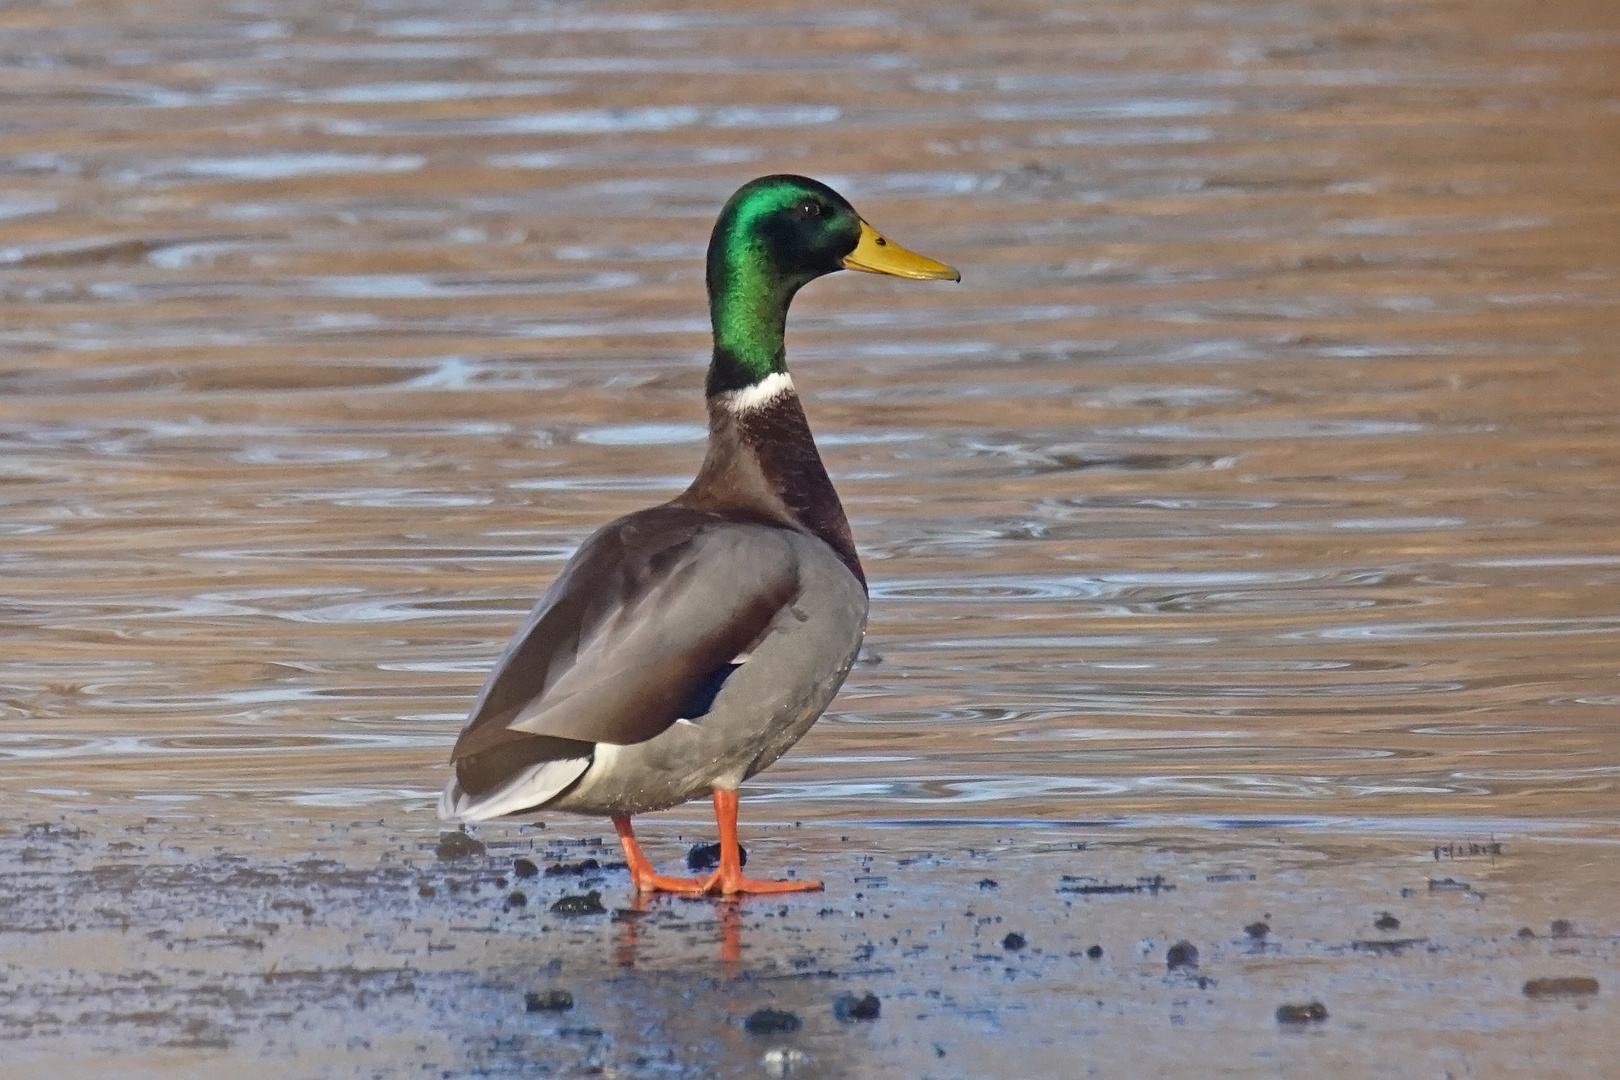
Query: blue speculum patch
[[702, 699]]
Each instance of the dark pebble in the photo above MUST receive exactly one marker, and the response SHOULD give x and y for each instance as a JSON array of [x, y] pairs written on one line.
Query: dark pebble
[[1388, 946], [1301, 1014], [1183, 954], [589, 904], [425, 890], [1013, 942], [457, 845], [1567, 986], [1526, 932], [989, 883], [548, 1001], [707, 856], [1562, 928], [524, 868], [517, 900], [1257, 930], [1095, 952], [771, 1022], [1386, 921], [850, 1007], [584, 866]]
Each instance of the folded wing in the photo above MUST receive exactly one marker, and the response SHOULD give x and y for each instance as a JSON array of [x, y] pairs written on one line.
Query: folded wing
[[633, 630]]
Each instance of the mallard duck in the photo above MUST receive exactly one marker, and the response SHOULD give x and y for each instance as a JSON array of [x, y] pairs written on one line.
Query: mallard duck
[[687, 646]]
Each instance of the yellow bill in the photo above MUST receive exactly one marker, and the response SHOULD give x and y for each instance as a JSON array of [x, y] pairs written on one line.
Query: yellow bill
[[876, 255]]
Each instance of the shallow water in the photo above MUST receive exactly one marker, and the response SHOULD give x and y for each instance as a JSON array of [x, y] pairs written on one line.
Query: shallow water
[[1262, 464]]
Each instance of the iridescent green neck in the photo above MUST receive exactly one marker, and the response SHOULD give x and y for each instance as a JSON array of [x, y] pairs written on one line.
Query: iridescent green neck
[[748, 305]]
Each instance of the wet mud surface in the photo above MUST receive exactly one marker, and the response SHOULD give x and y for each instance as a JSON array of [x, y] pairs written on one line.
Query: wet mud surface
[[342, 947]]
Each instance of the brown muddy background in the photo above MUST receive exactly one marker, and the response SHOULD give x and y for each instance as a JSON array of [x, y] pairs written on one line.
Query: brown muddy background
[[1249, 516]]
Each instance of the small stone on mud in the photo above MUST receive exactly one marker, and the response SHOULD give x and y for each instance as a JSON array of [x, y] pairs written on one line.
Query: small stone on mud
[[548, 1001], [1183, 954], [1257, 930], [1013, 942], [517, 900], [771, 1022], [425, 890], [457, 845], [989, 883], [1095, 952], [576, 869], [589, 904], [1565, 986], [783, 1061], [1388, 946], [1386, 921], [524, 868], [849, 1007], [707, 856], [1526, 932], [1562, 928], [1302, 1014]]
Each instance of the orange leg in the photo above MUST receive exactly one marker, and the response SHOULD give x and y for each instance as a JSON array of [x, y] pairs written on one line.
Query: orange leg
[[729, 880], [642, 874]]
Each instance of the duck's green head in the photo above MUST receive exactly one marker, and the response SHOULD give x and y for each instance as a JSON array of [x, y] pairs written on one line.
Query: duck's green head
[[775, 235]]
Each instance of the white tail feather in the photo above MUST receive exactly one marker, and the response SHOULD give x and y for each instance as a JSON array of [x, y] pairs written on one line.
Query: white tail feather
[[528, 790]]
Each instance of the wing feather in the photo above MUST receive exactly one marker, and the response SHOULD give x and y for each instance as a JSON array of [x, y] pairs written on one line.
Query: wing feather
[[637, 623]]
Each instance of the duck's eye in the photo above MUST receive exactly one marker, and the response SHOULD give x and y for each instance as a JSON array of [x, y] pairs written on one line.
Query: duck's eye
[[809, 208]]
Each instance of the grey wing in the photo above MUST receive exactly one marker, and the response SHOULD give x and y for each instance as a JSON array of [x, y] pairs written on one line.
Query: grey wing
[[637, 623]]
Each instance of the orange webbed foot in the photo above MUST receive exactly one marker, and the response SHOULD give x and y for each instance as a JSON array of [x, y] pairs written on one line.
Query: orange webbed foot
[[729, 880], [718, 884], [643, 876]]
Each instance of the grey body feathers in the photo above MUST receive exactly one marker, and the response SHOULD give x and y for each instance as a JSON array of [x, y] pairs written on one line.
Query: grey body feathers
[[647, 610]]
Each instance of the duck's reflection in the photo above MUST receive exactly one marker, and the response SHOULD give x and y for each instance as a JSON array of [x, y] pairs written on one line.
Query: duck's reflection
[[629, 920], [728, 918], [731, 938]]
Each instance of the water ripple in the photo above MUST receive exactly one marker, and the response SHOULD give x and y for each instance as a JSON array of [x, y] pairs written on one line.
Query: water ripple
[[1477, 628], [590, 121], [137, 748], [273, 167]]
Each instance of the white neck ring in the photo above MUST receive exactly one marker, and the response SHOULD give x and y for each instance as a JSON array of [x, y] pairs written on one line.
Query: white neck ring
[[759, 395]]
